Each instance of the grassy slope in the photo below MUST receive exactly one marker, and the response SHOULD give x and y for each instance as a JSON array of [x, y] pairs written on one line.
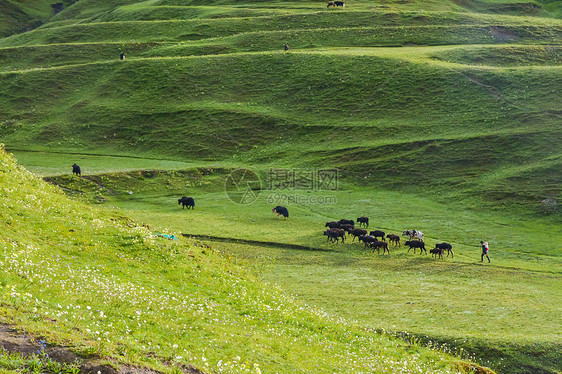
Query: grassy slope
[[20, 16], [464, 111], [497, 118], [103, 284], [17, 16], [498, 121], [444, 301]]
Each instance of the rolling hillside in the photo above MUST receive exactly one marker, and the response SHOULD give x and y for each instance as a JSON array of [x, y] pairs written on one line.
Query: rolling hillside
[[465, 109], [107, 287], [21, 16], [440, 115]]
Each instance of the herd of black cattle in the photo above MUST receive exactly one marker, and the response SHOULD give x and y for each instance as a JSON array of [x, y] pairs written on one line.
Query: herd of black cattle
[[346, 227]]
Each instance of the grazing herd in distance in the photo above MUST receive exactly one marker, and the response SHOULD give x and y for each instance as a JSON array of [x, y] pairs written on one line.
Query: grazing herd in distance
[[346, 227], [376, 239]]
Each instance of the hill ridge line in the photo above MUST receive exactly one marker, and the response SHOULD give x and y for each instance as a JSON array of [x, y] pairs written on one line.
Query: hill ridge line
[[451, 65]]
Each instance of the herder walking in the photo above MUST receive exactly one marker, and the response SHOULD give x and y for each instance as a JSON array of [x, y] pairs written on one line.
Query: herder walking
[[485, 250]]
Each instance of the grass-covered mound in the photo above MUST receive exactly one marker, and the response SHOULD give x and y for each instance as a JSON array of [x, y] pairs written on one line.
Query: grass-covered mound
[[17, 16], [105, 285], [459, 104], [444, 301]]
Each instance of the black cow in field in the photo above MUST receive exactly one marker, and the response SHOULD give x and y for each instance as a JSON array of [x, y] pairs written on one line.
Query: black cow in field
[[336, 4], [436, 252], [357, 233], [333, 225], [377, 234], [393, 238], [378, 245], [415, 244], [76, 170], [280, 211], [367, 239], [363, 221], [187, 202], [445, 247], [346, 222], [335, 235]]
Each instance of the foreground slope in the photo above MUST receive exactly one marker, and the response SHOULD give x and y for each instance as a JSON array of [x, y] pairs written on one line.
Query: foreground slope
[[103, 284]]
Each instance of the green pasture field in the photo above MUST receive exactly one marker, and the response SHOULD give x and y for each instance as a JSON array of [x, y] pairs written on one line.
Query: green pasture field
[[441, 116], [510, 305], [107, 287]]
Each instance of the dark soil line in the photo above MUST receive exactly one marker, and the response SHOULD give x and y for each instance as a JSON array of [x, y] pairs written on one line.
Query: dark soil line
[[14, 340], [256, 242]]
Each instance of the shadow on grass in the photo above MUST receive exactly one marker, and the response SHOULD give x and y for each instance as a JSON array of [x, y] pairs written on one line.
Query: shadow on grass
[[257, 242]]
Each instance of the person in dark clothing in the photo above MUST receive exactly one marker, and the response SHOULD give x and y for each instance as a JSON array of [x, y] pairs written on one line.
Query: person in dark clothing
[[484, 251]]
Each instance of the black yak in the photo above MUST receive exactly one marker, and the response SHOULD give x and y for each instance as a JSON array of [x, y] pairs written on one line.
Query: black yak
[[281, 211], [187, 202], [76, 170]]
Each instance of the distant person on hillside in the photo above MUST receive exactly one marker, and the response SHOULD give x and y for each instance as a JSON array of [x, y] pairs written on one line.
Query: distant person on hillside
[[122, 56], [484, 251], [76, 170], [287, 47]]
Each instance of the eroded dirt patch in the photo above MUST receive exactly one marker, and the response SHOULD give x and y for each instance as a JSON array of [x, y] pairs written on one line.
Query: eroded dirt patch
[[14, 341]]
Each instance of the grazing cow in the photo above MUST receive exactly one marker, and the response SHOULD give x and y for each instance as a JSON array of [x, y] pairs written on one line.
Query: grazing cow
[[286, 47], [363, 221], [76, 170], [357, 233], [415, 244], [378, 234], [280, 211], [367, 239], [392, 238], [187, 202], [333, 225], [335, 234], [346, 227], [413, 234], [336, 4], [378, 245], [346, 222], [445, 247], [436, 252]]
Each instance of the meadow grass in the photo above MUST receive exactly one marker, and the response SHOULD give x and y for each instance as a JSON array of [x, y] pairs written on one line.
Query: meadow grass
[[12, 363], [440, 116], [481, 128], [106, 285], [458, 302]]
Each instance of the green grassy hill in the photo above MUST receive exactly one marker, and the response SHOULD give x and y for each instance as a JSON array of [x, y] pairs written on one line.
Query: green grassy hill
[[440, 115], [20, 16], [105, 285], [461, 110]]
